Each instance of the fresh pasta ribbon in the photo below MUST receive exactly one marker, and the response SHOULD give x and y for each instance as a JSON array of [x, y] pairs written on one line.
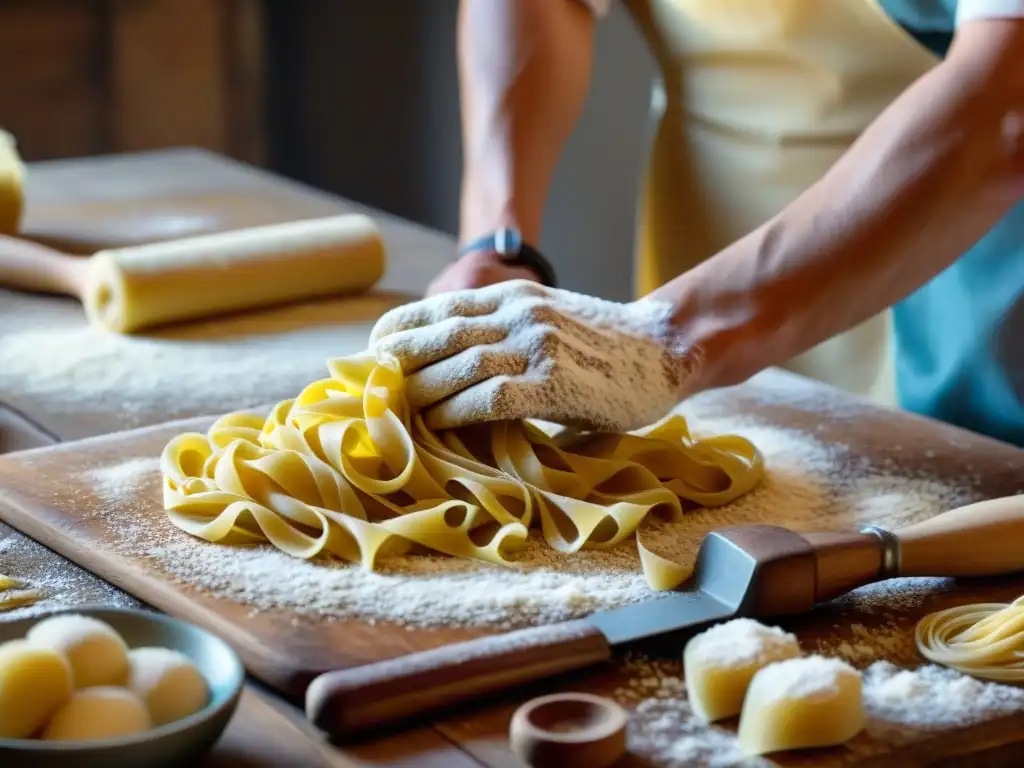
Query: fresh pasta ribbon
[[984, 640], [13, 595], [347, 470]]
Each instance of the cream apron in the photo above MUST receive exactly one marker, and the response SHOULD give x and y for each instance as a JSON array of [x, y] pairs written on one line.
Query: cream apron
[[758, 99]]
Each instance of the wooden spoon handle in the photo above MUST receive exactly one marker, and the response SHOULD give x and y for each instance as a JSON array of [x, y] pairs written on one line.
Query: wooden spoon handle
[[32, 267], [349, 700], [982, 539]]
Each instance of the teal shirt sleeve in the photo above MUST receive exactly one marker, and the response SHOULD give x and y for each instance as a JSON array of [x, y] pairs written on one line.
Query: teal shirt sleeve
[[931, 22]]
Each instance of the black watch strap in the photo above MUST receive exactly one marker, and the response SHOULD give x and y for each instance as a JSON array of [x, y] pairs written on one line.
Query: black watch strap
[[508, 244]]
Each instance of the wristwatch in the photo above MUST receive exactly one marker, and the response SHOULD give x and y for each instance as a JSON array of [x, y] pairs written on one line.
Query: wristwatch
[[508, 244]]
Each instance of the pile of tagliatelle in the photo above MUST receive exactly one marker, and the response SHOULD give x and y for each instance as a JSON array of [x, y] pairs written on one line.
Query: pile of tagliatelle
[[345, 469]]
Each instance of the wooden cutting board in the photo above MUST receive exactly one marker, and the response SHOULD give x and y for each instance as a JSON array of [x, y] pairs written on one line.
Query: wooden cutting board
[[43, 495]]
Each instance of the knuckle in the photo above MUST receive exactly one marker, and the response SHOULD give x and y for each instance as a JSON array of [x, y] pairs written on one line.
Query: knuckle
[[526, 287], [540, 312], [548, 340]]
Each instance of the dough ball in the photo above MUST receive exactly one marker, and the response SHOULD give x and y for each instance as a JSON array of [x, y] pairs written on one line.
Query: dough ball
[[168, 682], [720, 662], [801, 703], [34, 683], [103, 712], [97, 653]]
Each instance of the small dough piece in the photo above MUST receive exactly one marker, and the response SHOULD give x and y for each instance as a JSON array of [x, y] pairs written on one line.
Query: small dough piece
[[104, 712], [12, 178], [800, 703], [98, 655], [34, 683], [720, 662], [168, 682]]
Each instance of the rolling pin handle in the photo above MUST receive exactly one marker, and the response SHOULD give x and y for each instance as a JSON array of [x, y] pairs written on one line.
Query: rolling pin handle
[[29, 266], [348, 701]]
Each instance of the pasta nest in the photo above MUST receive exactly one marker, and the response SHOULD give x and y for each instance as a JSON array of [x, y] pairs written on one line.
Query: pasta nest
[[347, 470]]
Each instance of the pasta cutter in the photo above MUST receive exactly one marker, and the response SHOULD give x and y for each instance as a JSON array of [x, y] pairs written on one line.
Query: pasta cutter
[[757, 570]]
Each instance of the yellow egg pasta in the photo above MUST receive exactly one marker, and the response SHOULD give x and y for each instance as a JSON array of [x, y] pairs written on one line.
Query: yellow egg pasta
[[984, 640], [347, 470], [12, 594]]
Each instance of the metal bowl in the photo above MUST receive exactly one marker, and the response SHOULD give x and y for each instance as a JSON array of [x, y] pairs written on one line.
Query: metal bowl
[[171, 744]]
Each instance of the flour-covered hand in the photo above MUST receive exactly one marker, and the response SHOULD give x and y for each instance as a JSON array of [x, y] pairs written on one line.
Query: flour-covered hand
[[521, 350]]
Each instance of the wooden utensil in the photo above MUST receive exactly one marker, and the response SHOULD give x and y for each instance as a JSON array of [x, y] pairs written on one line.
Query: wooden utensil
[[567, 729], [136, 287], [753, 570]]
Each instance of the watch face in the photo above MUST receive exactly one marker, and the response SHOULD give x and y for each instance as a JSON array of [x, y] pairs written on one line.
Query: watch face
[[507, 242]]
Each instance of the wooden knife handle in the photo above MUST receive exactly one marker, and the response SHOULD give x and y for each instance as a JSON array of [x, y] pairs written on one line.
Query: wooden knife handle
[[32, 267], [349, 700], [982, 539]]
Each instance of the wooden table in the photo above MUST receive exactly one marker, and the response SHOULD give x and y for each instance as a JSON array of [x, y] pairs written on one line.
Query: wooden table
[[175, 193], [269, 732]]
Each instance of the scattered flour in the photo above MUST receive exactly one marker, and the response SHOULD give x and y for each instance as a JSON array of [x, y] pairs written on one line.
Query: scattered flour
[[65, 372], [742, 642], [59, 581], [121, 481], [664, 729], [931, 698], [810, 486], [860, 645], [803, 677], [902, 706]]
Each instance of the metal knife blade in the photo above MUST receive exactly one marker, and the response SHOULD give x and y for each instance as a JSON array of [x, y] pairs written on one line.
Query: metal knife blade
[[718, 590], [692, 609]]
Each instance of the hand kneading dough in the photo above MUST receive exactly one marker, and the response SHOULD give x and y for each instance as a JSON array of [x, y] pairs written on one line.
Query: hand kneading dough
[[801, 703], [97, 653], [34, 683], [168, 682], [720, 662], [12, 174], [98, 713], [148, 285]]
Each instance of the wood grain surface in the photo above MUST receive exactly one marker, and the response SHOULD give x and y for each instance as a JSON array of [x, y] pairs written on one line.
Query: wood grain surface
[[264, 732], [44, 496], [87, 76]]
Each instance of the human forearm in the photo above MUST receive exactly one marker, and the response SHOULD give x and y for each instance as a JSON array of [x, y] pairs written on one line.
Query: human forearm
[[917, 190], [524, 69]]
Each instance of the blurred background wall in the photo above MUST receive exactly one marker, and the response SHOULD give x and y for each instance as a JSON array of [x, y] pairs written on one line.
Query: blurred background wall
[[357, 98], [366, 103]]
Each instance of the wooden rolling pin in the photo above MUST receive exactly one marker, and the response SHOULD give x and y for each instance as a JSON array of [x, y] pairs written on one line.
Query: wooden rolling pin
[[129, 289]]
